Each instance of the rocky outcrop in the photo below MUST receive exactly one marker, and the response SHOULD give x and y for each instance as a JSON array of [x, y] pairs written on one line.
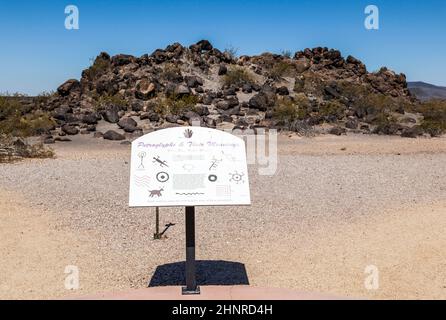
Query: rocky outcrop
[[316, 88]]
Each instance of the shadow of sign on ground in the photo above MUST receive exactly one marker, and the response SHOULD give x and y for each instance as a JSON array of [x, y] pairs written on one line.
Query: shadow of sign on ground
[[224, 273]]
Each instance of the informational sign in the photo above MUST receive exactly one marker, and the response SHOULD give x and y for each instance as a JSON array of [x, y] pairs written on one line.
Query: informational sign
[[188, 166]]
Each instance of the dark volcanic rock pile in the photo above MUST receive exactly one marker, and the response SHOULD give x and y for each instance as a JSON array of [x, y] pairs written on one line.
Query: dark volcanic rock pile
[[316, 90]]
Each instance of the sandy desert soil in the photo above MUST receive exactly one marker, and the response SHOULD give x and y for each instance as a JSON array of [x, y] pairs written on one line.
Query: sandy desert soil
[[335, 206]]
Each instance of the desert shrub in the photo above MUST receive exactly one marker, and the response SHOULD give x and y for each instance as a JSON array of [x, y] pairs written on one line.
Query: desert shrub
[[32, 124], [179, 105], [304, 106], [98, 68], [231, 52], [43, 97], [380, 102], [434, 113], [364, 96], [107, 100], [280, 69], [175, 105], [171, 72], [287, 53], [332, 110], [237, 76], [17, 119], [10, 105], [309, 82], [285, 110], [12, 149]]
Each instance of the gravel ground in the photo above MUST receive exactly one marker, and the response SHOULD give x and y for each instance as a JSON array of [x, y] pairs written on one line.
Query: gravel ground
[[335, 205]]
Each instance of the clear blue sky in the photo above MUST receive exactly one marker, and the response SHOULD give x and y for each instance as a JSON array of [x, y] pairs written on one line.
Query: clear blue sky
[[37, 53]]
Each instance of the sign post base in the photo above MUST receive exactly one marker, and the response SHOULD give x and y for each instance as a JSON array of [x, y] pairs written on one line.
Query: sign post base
[[186, 292], [191, 282]]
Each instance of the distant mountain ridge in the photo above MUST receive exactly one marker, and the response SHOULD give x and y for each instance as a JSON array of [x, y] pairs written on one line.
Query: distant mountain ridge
[[426, 91]]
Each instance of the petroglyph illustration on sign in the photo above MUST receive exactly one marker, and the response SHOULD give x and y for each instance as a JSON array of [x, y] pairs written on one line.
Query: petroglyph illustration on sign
[[191, 166]]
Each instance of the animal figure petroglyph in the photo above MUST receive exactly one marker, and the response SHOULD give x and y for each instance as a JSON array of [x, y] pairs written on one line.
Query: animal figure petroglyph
[[156, 193], [162, 163]]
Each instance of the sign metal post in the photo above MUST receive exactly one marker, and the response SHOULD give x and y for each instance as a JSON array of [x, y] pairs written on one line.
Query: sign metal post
[[191, 282], [157, 235]]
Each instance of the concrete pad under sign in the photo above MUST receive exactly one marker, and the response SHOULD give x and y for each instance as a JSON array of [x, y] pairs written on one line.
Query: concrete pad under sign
[[212, 293]]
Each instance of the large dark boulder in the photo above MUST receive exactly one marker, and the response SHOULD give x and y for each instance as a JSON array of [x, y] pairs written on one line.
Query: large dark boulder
[[61, 113], [107, 87], [282, 91], [222, 70], [137, 106], [154, 117], [68, 86], [172, 118], [145, 89], [128, 124], [191, 117], [202, 110], [160, 56], [174, 50], [263, 101], [200, 46], [177, 90], [113, 135], [111, 114], [122, 59], [91, 118], [223, 105], [193, 81], [70, 130]]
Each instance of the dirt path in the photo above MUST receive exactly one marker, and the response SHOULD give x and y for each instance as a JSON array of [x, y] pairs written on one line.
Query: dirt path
[[407, 246], [36, 254]]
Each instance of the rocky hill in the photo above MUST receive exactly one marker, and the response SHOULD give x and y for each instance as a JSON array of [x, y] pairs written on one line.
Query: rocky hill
[[313, 91]]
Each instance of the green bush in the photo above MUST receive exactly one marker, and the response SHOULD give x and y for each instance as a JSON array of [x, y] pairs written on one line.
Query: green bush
[[98, 68], [175, 105], [237, 77], [332, 108], [10, 106], [434, 113], [309, 82], [231, 52], [43, 97], [363, 96], [108, 100], [279, 70], [285, 111], [304, 107], [17, 119]]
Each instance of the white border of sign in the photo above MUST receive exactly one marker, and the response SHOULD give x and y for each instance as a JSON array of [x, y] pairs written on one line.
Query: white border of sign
[[188, 166]]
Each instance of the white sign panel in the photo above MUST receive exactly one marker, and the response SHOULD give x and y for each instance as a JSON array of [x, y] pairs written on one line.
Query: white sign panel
[[188, 166]]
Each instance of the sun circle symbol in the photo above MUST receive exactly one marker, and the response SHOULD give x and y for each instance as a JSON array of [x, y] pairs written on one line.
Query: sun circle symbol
[[162, 176], [236, 177]]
